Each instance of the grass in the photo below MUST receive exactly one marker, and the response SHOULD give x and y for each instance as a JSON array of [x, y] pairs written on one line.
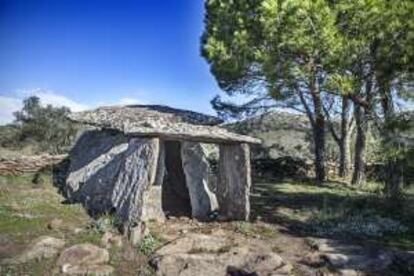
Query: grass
[[337, 210], [149, 244], [25, 212], [26, 208]]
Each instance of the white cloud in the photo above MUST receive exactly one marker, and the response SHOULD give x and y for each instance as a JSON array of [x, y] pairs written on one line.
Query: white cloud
[[10, 104], [120, 102], [52, 98], [129, 101]]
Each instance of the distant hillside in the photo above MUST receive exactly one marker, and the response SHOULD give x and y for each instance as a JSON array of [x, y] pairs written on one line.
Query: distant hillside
[[283, 134]]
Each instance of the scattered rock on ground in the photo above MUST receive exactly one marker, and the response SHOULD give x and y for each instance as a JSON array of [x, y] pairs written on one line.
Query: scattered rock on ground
[[137, 233], [55, 224], [195, 242], [41, 248], [92, 269], [348, 257], [7, 247], [404, 262], [78, 230], [349, 272], [110, 239], [84, 259], [199, 254]]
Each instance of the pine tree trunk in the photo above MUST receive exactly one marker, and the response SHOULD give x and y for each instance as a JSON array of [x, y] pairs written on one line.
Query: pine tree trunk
[[394, 175], [344, 146], [317, 120], [318, 132], [358, 176], [319, 149], [345, 156], [394, 182]]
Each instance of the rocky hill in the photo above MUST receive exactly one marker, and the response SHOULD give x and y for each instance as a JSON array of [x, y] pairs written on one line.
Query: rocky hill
[[283, 134]]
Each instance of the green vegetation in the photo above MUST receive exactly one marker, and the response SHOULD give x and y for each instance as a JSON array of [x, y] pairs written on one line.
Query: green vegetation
[[344, 64], [26, 209], [149, 244], [337, 210], [26, 213], [104, 223], [38, 129], [302, 208]]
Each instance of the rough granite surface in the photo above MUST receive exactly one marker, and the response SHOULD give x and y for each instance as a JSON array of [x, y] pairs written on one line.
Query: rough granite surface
[[161, 121]]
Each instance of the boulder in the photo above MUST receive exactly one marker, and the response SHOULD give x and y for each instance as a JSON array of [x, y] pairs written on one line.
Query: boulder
[[348, 257], [41, 248], [8, 247], [55, 224], [404, 262], [193, 242], [110, 239], [198, 254], [137, 233], [81, 255], [92, 269]]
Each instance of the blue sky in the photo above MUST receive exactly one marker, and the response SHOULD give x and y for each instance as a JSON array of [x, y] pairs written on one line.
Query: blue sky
[[99, 52]]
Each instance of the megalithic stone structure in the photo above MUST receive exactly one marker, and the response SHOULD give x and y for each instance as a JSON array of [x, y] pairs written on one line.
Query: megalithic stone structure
[[147, 162]]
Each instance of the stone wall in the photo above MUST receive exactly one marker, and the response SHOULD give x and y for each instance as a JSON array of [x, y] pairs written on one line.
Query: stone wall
[[27, 164]]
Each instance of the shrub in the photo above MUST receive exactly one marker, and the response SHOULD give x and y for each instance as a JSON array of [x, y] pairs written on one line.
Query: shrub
[[48, 127], [149, 244], [104, 223]]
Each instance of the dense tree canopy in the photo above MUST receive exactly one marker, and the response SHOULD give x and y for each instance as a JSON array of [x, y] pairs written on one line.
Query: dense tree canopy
[[276, 50], [301, 53]]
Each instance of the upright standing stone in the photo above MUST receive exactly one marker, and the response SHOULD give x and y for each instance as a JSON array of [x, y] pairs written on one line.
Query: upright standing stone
[[94, 164], [136, 175], [233, 190], [198, 174], [152, 207]]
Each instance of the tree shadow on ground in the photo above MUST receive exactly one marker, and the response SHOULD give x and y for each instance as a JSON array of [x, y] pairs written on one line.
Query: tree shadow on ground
[[292, 205]]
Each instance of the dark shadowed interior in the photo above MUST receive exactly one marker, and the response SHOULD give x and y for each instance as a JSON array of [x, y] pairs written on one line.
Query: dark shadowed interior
[[175, 195]]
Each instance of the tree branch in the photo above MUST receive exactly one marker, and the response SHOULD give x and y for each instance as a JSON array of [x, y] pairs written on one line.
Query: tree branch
[[331, 125], [305, 105]]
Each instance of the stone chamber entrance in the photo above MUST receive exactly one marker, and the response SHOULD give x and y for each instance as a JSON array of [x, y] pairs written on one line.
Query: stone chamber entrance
[[184, 181], [175, 198]]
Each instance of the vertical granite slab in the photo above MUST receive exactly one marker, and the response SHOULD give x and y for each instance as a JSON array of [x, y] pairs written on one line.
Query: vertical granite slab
[[94, 163], [198, 175], [233, 189], [136, 175]]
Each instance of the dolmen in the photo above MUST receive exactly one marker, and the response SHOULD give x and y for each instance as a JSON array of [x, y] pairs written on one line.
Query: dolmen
[[148, 162]]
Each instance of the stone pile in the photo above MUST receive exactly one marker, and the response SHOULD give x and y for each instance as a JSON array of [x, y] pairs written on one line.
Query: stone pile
[[25, 164]]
